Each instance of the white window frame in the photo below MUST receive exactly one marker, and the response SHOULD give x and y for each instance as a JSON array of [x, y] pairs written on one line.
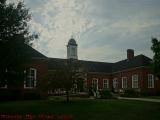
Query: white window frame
[[124, 82], [135, 81], [150, 81], [93, 82], [105, 84], [30, 77]]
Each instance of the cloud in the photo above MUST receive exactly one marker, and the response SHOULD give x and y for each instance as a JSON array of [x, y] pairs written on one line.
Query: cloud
[[104, 29], [97, 54], [57, 21]]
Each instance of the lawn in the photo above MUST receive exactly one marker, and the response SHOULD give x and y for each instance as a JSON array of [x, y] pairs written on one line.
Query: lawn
[[85, 109]]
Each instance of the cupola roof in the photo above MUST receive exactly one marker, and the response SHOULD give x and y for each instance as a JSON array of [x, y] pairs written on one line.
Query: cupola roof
[[72, 42]]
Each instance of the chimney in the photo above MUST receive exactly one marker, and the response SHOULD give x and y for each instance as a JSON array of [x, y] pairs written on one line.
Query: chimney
[[130, 54]]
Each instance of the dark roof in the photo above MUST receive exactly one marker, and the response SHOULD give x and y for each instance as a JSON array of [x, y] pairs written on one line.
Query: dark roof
[[72, 42], [103, 67], [90, 66], [55, 63], [33, 53], [93, 66], [137, 61]]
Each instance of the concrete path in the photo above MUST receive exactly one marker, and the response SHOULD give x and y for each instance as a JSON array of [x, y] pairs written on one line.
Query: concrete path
[[140, 99]]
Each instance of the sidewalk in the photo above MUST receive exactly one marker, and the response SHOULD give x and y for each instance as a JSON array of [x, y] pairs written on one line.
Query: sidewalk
[[140, 99]]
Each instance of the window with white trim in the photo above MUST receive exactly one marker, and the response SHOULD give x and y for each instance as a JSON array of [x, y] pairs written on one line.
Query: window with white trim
[[115, 83], [150, 81], [134, 81], [30, 80], [105, 83], [124, 82], [95, 83]]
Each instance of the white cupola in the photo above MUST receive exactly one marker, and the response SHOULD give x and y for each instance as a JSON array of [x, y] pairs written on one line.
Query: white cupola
[[72, 49]]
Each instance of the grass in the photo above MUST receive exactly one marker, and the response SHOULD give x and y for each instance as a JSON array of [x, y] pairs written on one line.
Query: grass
[[86, 109]]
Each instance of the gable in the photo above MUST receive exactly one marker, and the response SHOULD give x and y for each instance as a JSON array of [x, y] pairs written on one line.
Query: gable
[[33, 53]]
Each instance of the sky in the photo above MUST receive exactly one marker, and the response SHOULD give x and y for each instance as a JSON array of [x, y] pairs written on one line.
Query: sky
[[103, 29]]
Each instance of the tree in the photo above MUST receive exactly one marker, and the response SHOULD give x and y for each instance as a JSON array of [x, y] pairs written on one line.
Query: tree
[[66, 77], [14, 36], [156, 58]]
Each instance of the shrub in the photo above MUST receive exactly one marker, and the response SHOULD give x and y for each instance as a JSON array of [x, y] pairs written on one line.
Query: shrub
[[105, 94], [7, 95], [150, 93], [4, 95], [31, 96], [90, 92], [130, 93], [82, 95]]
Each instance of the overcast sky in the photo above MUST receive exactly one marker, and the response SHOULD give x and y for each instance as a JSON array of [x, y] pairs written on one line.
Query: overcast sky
[[103, 29]]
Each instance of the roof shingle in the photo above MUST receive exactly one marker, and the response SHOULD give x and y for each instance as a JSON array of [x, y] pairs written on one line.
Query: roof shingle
[[104, 67]]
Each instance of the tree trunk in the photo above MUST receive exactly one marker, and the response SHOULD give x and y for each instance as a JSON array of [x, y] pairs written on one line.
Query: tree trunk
[[67, 95]]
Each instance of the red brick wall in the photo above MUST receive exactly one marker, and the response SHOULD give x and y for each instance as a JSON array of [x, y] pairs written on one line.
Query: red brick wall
[[142, 73], [42, 69], [145, 88], [128, 74], [100, 78]]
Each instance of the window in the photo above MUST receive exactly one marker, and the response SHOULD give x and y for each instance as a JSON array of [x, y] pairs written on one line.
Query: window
[[95, 83], [105, 83], [30, 80], [134, 81], [150, 81], [124, 82], [73, 51], [115, 83]]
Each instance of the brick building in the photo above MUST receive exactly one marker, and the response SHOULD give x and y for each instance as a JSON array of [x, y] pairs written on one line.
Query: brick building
[[132, 73]]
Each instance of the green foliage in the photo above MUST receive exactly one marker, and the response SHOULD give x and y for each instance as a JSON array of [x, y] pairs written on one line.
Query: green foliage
[[31, 95], [156, 58], [64, 77], [90, 91], [14, 22], [105, 94], [80, 84], [4, 95], [14, 36], [15, 94], [130, 93]]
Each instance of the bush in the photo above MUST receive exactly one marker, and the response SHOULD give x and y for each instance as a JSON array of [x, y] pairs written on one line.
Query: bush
[[105, 94], [7, 95], [90, 92], [150, 93], [4, 95], [82, 95], [31, 96], [130, 93]]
